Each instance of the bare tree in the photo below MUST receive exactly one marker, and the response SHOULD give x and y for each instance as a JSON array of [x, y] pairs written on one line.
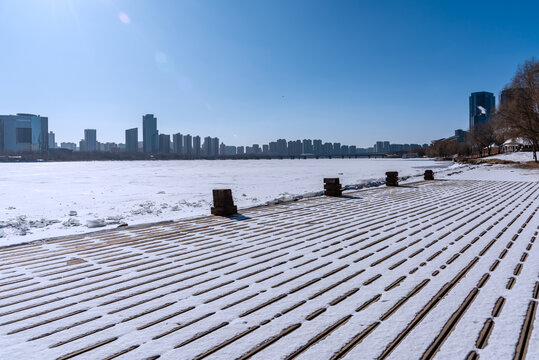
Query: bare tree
[[483, 136], [520, 113]]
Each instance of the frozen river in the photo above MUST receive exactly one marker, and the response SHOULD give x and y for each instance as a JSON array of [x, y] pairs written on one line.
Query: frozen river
[[39, 200]]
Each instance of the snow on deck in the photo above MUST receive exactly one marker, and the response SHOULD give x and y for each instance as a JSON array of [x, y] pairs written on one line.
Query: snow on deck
[[447, 268]]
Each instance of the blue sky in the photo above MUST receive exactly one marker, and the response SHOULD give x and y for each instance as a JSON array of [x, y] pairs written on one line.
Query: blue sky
[[252, 71]]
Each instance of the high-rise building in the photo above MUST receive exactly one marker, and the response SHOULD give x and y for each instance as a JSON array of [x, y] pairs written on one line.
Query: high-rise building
[[273, 148], [382, 147], [337, 148], [230, 150], [240, 150], [90, 140], [24, 132], [206, 146], [177, 139], [131, 140], [214, 148], [353, 149], [52, 141], [482, 106], [327, 149], [317, 147], [196, 145], [308, 146], [187, 145], [282, 149], [164, 143], [265, 149], [150, 135]]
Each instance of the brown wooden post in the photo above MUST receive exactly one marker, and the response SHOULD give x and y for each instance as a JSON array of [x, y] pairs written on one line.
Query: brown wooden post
[[392, 178], [429, 175], [223, 204], [332, 187]]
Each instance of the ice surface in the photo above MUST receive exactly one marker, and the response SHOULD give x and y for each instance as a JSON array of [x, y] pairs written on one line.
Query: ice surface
[[41, 200]]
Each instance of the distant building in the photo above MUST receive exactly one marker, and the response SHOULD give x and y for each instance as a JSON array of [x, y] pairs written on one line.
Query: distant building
[[240, 150], [482, 106], [273, 148], [110, 147], [230, 150], [196, 145], [460, 136], [150, 135], [281, 147], [187, 145], [206, 146], [164, 143], [52, 141], [382, 147], [82, 145], [131, 140], [222, 149], [24, 132], [69, 146], [327, 149], [353, 149], [317, 147], [308, 146], [214, 148], [90, 140], [336, 148], [177, 139], [265, 149]]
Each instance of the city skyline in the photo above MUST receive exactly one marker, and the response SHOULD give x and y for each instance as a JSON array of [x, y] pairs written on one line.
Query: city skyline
[[224, 68]]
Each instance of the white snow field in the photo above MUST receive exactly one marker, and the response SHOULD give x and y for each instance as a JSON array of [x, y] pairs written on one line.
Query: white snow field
[[36, 199], [445, 269], [514, 156]]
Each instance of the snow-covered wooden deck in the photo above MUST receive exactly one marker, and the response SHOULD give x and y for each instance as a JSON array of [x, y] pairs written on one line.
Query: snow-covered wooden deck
[[445, 269]]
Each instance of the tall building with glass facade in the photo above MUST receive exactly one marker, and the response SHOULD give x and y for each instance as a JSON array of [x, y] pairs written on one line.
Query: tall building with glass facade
[[150, 135], [482, 106], [24, 132], [131, 140]]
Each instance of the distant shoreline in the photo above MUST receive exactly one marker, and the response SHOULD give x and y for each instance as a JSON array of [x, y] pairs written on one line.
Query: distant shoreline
[[64, 156]]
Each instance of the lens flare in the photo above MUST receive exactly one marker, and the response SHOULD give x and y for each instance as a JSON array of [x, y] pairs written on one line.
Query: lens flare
[[124, 18]]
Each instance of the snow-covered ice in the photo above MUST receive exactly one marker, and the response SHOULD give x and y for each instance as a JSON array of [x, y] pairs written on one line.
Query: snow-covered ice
[[41, 200]]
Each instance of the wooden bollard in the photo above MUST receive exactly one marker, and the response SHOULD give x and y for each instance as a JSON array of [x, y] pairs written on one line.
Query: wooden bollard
[[392, 178], [429, 175], [332, 187], [223, 204]]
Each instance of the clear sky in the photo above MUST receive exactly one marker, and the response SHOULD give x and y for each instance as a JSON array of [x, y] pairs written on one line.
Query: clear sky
[[252, 71]]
